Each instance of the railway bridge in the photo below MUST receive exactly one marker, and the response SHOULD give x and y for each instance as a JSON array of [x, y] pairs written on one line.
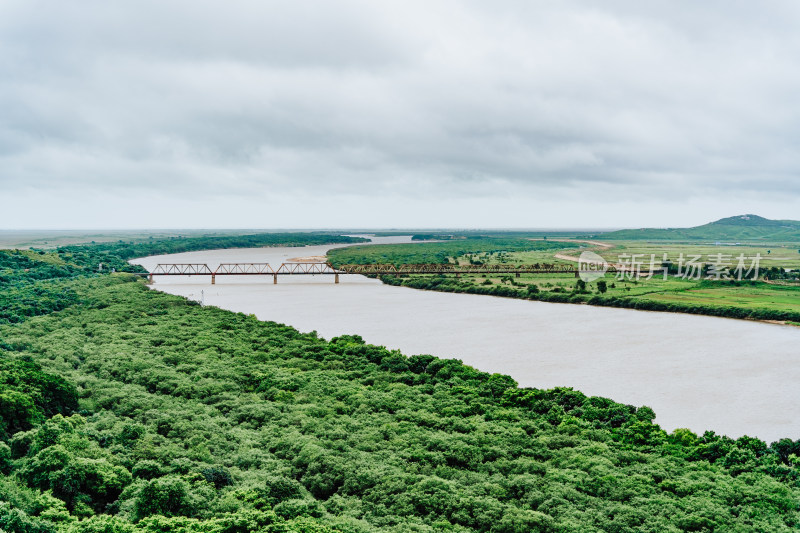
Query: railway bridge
[[314, 269]]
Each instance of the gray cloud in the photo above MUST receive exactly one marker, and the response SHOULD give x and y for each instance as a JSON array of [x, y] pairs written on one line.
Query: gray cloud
[[620, 101]]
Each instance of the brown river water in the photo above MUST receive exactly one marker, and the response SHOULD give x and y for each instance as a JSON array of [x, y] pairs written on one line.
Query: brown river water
[[734, 377]]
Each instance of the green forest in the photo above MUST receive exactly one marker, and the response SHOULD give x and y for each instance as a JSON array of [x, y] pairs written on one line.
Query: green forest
[[437, 252], [124, 409]]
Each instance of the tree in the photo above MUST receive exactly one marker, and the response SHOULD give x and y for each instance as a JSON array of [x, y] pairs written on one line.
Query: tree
[[602, 286], [167, 496]]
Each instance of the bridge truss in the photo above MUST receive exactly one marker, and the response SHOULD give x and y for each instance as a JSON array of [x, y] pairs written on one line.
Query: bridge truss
[[313, 269]]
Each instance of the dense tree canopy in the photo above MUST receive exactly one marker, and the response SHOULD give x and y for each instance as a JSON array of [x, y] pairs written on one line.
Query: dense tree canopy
[[148, 412], [28, 395], [436, 252]]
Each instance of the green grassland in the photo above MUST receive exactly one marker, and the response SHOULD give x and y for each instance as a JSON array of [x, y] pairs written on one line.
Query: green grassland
[[567, 282], [758, 295], [761, 296], [125, 410], [785, 255], [741, 299]]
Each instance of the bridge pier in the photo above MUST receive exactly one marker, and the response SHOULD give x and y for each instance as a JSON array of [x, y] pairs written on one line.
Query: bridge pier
[[519, 275], [150, 278], [213, 279], [274, 279], [336, 278]]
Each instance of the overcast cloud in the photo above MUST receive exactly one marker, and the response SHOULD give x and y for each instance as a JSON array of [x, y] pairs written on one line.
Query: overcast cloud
[[397, 114]]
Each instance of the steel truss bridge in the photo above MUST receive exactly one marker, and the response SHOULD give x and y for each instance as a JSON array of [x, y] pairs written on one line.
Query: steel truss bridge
[[313, 269]]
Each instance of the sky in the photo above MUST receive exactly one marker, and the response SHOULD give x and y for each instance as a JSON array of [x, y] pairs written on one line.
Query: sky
[[397, 114]]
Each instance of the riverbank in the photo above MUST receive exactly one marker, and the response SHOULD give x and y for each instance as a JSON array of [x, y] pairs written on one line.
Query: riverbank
[[700, 372], [470, 287], [749, 299]]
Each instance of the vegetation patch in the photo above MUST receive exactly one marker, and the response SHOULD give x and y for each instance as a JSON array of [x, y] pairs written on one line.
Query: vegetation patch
[[777, 299], [177, 417], [436, 252]]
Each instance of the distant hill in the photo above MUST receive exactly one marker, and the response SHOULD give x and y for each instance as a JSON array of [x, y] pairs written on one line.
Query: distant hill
[[741, 228]]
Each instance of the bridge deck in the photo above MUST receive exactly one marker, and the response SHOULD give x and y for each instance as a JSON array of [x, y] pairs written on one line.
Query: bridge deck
[[293, 269], [313, 269]]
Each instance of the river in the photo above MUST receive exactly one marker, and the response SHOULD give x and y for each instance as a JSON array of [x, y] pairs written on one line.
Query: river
[[734, 377]]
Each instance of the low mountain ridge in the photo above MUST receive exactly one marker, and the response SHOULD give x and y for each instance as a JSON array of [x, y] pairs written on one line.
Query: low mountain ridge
[[747, 228], [753, 221]]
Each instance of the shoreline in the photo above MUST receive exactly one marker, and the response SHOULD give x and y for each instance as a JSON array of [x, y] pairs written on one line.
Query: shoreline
[[612, 302]]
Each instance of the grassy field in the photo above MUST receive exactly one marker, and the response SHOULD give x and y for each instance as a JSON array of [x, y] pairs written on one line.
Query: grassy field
[[722, 297], [761, 296], [615, 287], [697, 292], [783, 255]]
